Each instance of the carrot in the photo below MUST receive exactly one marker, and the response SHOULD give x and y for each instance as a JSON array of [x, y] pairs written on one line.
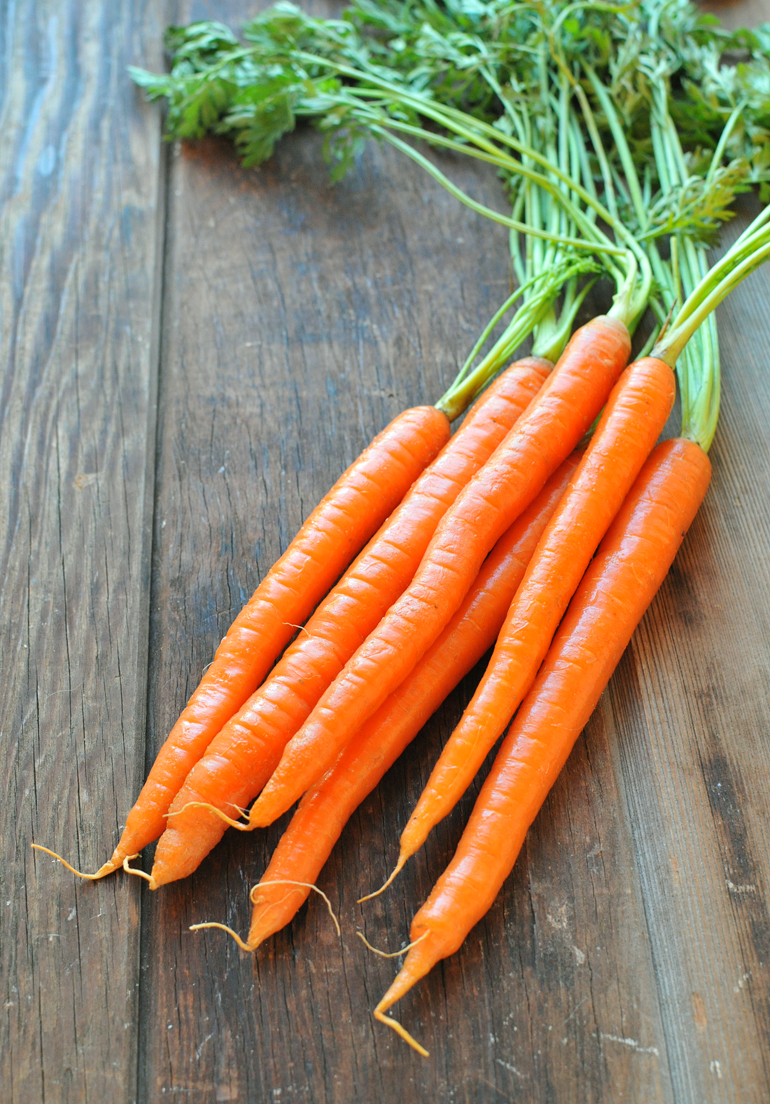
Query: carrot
[[324, 811], [245, 753], [618, 587], [632, 421], [539, 443], [353, 509]]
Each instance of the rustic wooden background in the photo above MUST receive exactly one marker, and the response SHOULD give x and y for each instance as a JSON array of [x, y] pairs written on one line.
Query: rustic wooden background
[[191, 354]]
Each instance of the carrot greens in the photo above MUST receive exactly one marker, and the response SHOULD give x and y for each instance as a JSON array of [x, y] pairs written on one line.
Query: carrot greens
[[512, 84]]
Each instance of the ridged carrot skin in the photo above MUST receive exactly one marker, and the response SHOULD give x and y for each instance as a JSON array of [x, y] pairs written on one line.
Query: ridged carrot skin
[[631, 564], [549, 431], [245, 753], [632, 421], [334, 533], [324, 811]]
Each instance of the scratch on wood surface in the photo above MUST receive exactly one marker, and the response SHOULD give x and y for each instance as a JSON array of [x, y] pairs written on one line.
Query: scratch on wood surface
[[629, 1043], [509, 1067]]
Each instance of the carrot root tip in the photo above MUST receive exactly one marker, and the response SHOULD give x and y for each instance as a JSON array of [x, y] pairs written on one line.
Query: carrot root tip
[[399, 1030], [217, 812], [104, 869], [390, 954], [223, 927], [397, 870], [139, 873], [304, 885], [291, 625]]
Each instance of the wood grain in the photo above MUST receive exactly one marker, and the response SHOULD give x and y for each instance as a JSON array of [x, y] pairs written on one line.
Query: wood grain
[[79, 174], [626, 958]]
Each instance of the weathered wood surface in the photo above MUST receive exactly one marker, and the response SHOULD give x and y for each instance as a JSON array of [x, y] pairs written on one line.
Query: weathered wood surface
[[626, 959], [79, 173], [81, 194]]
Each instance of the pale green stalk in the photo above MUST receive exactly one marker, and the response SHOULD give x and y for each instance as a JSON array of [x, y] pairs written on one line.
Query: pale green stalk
[[752, 249], [480, 133]]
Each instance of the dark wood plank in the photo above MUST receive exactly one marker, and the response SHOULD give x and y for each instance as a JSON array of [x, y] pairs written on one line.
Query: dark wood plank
[[298, 320], [79, 178]]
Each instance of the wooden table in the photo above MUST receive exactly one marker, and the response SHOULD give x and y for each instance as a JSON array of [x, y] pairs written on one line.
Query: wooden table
[[191, 354]]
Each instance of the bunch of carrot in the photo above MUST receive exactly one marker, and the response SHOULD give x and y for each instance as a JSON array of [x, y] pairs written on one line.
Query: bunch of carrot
[[544, 526]]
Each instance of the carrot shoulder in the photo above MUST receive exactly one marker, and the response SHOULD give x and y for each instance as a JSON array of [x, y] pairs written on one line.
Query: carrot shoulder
[[630, 566], [563, 411], [244, 754], [324, 811], [629, 427], [350, 513]]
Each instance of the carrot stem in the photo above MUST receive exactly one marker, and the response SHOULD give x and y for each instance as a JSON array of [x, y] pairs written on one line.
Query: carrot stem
[[488, 212], [458, 396], [750, 251]]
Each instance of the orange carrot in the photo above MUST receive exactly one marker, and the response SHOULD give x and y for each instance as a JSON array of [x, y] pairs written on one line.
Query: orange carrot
[[539, 443], [324, 811], [630, 566], [343, 521], [637, 410], [245, 753]]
